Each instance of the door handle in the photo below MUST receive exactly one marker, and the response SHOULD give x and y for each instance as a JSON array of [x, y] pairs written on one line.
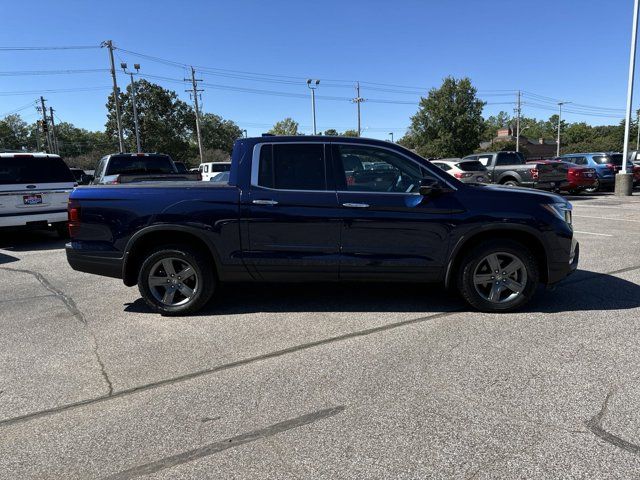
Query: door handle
[[356, 205], [265, 202]]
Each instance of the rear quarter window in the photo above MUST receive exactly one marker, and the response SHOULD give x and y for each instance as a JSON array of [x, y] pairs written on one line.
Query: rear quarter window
[[18, 170]]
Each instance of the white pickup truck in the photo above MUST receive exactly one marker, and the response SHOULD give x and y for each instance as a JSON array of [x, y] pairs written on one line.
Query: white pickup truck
[[34, 190]]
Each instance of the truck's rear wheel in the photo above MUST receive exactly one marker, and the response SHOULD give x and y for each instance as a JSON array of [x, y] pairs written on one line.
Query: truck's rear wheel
[[498, 276], [176, 280], [510, 183]]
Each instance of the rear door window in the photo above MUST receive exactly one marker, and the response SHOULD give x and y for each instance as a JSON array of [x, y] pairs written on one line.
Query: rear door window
[[37, 170], [471, 166], [509, 158], [292, 167]]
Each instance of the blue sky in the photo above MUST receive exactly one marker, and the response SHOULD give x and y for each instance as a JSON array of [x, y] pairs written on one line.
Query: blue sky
[[574, 50]]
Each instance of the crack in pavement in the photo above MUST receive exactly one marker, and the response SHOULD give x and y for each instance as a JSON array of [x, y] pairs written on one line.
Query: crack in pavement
[[217, 447], [71, 306], [225, 366], [595, 425]]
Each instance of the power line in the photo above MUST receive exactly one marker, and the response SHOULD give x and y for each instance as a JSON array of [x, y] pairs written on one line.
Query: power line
[[19, 109], [75, 47], [24, 73], [60, 90]]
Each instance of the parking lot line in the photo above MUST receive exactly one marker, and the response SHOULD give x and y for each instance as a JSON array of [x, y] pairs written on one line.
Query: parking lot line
[[592, 233], [607, 218]]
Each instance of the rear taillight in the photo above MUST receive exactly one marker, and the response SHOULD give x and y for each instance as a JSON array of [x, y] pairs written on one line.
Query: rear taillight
[[574, 172], [73, 215], [534, 173], [462, 174]]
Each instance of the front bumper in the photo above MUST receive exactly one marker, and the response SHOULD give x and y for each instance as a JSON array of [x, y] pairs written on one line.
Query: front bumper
[[564, 264]]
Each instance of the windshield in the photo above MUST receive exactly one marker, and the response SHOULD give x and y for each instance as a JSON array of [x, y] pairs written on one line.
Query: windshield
[[18, 170], [127, 164]]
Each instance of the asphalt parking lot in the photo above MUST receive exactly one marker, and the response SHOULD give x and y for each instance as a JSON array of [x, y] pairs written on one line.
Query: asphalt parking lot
[[323, 382]]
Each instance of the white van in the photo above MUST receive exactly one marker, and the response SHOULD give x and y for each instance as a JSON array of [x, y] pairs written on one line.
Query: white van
[[211, 169], [34, 190]]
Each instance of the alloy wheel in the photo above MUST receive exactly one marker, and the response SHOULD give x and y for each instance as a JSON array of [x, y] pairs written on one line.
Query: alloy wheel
[[500, 277], [173, 281]]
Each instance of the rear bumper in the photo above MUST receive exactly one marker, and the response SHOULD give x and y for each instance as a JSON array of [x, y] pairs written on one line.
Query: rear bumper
[[21, 219], [107, 264]]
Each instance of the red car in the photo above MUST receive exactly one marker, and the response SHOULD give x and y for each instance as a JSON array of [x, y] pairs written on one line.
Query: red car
[[578, 177]]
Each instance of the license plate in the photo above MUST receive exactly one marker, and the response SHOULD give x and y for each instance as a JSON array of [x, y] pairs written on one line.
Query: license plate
[[32, 199]]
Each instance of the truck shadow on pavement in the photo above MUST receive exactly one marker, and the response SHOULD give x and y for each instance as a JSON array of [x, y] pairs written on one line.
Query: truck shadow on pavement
[[30, 240], [4, 258], [583, 291]]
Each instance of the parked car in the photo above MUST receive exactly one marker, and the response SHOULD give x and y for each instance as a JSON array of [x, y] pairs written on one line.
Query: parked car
[[578, 178], [510, 168], [138, 167], [82, 177], [302, 208], [606, 165], [467, 171], [221, 177], [209, 169], [34, 191]]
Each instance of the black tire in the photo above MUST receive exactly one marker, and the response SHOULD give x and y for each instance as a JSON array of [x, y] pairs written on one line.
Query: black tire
[[202, 287], [474, 263], [510, 183], [594, 188]]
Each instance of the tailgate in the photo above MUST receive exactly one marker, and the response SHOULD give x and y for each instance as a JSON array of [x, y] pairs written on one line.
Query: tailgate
[[552, 172], [20, 200]]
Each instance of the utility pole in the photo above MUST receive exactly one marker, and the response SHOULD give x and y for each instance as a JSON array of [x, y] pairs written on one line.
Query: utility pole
[[358, 100], [194, 84], [38, 135], [518, 111], [54, 139], [638, 127], [133, 100], [45, 125], [390, 133], [624, 179], [109, 45], [245, 133], [313, 84], [559, 125]]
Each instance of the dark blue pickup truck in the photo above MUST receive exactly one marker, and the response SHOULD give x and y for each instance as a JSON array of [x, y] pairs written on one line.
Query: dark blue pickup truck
[[322, 209]]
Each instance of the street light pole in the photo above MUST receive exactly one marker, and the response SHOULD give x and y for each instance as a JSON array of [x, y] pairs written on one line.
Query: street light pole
[[559, 125], [313, 84], [133, 101], [245, 133], [391, 133]]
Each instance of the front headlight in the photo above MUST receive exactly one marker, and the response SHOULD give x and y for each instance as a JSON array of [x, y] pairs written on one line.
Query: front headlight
[[562, 210]]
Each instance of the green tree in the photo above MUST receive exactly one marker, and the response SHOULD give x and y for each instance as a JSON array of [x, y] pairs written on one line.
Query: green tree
[[14, 133], [449, 120], [495, 123], [288, 126], [167, 123], [332, 132], [217, 133], [350, 133]]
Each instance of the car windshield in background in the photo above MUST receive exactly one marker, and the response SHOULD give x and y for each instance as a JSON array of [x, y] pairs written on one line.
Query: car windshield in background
[[615, 159], [127, 164], [471, 166], [18, 170]]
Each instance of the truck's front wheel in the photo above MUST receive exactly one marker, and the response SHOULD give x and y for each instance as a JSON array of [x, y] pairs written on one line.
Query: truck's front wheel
[[498, 276], [176, 280]]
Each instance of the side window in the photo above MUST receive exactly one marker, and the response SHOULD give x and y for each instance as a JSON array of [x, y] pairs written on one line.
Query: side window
[[484, 159], [99, 173], [579, 160], [443, 166], [508, 158], [295, 166], [206, 169], [371, 169]]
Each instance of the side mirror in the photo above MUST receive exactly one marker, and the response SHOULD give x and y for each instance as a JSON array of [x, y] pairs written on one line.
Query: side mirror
[[430, 186]]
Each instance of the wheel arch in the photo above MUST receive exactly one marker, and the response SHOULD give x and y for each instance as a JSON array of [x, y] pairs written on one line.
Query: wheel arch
[[163, 235], [517, 233]]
